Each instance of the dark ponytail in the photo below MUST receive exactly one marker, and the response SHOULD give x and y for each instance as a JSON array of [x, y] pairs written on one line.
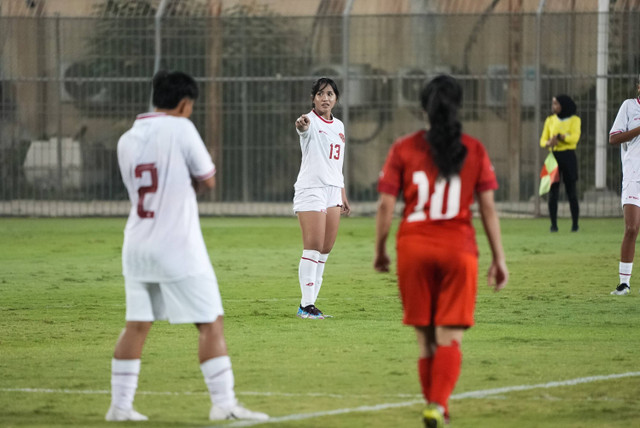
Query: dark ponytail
[[441, 99]]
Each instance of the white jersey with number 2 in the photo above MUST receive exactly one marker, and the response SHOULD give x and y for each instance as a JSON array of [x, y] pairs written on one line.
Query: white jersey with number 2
[[323, 149], [158, 157]]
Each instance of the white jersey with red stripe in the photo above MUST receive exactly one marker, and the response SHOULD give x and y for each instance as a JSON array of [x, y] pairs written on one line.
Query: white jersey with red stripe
[[323, 150], [627, 119], [158, 157]]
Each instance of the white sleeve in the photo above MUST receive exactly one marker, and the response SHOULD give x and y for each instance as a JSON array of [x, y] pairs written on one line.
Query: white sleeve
[[305, 136], [621, 124], [198, 158]]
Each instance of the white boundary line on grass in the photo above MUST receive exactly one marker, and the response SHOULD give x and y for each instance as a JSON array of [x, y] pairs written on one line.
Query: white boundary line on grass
[[254, 393], [372, 408], [471, 394]]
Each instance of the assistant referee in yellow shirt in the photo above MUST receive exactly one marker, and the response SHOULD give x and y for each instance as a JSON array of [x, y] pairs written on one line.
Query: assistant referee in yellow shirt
[[560, 135]]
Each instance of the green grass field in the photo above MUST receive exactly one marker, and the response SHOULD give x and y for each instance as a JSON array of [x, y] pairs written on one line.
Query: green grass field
[[62, 308]]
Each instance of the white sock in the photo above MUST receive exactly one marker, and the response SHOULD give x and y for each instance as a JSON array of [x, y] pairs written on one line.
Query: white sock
[[319, 272], [625, 273], [219, 379], [124, 382], [307, 276]]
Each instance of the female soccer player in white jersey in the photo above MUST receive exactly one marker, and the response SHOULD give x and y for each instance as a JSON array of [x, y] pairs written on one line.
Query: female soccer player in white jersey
[[626, 132], [167, 271], [320, 196]]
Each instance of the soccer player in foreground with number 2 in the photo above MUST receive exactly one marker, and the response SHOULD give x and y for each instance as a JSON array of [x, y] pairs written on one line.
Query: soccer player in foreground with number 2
[[439, 171], [166, 267]]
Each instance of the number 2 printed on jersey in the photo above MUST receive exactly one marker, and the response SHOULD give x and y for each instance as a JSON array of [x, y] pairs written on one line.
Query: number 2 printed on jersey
[[143, 190], [436, 200]]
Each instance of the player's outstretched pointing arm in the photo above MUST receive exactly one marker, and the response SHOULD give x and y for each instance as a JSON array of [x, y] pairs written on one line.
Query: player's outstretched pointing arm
[[302, 123]]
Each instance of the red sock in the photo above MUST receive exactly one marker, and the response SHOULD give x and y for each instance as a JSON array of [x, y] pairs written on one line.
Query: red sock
[[445, 371], [424, 372]]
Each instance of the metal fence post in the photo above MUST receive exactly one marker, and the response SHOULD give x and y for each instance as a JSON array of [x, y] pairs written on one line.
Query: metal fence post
[[537, 115], [601, 94], [346, 13], [158, 42], [244, 99], [59, 102]]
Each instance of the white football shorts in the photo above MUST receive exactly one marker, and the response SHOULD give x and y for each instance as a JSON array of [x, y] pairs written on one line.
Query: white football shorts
[[317, 199], [194, 299], [630, 193]]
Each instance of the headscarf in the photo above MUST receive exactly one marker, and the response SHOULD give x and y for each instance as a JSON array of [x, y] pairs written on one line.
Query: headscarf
[[567, 106]]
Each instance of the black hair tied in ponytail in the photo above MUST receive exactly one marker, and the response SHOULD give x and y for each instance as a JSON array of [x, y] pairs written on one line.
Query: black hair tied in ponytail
[[441, 99]]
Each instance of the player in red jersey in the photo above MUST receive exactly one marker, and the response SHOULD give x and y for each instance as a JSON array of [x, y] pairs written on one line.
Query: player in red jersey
[[439, 172]]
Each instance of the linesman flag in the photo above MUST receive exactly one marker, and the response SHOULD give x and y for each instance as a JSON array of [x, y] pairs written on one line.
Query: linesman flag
[[549, 174]]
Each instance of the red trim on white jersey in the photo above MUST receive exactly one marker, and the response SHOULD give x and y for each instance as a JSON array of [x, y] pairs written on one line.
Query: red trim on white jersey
[[207, 175], [150, 115], [616, 132], [638, 100], [322, 118]]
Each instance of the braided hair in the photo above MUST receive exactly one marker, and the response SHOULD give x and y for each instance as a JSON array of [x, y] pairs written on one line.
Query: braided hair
[[441, 98]]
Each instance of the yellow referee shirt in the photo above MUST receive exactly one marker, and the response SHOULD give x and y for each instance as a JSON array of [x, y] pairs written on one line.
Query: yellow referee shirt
[[570, 127]]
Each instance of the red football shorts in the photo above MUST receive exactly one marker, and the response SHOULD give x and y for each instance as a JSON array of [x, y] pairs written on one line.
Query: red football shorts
[[438, 286]]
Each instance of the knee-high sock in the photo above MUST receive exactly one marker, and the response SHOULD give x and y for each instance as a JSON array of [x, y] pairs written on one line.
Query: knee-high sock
[[219, 379], [307, 276], [319, 272], [445, 371], [124, 382], [424, 373], [625, 273]]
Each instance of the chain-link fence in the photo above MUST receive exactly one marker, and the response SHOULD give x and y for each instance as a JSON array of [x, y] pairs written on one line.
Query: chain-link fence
[[69, 87]]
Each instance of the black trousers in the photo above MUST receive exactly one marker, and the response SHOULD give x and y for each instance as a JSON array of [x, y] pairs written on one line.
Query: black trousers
[[568, 167]]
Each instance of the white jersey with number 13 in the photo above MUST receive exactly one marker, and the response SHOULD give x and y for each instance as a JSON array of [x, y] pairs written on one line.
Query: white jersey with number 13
[[323, 150]]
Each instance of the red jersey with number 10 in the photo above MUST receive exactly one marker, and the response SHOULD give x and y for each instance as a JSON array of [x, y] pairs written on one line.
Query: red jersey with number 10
[[436, 209]]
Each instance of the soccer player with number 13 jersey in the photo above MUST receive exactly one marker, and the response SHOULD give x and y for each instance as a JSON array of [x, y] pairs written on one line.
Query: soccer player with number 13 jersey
[[320, 196], [439, 171], [625, 132]]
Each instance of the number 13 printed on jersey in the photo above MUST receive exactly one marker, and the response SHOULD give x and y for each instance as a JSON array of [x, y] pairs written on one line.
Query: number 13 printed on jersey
[[335, 155]]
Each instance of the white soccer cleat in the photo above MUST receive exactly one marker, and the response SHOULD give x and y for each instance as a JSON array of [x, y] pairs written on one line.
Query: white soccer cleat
[[621, 290], [235, 412], [116, 414]]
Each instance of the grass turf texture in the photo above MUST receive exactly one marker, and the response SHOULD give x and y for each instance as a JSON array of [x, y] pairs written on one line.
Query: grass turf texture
[[62, 308]]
